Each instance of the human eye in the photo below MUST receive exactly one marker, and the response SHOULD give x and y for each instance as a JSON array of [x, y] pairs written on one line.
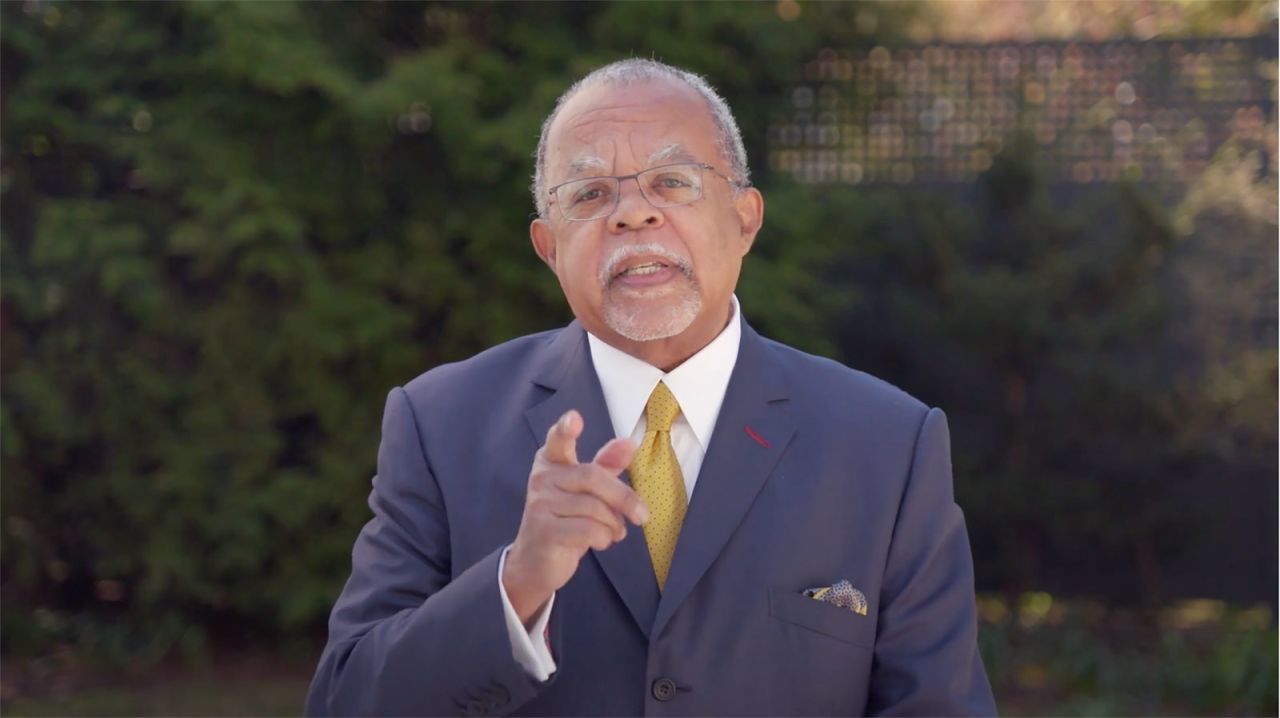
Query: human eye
[[675, 185], [673, 179], [589, 192]]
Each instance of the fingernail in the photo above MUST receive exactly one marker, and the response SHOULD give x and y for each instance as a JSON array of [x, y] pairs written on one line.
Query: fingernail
[[564, 423], [642, 513]]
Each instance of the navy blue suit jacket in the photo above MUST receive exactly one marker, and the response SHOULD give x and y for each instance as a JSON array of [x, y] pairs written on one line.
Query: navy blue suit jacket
[[846, 477]]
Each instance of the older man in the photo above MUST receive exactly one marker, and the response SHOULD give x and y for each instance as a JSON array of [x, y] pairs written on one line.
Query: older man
[[654, 510]]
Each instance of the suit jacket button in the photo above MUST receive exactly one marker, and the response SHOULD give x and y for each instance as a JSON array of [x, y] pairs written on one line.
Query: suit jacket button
[[664, 689]]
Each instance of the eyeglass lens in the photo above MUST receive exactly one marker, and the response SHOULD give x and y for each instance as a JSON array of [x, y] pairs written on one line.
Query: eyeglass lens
[[596, 197]]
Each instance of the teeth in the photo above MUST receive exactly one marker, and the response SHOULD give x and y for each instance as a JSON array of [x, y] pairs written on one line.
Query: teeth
[[644, 268]]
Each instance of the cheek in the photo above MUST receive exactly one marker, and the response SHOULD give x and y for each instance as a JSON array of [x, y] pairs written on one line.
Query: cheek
[[730, 248], [729, 244], [727, 230], [577, 268]]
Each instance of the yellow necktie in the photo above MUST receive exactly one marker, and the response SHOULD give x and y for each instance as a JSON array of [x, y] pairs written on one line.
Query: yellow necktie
[[656, 477]]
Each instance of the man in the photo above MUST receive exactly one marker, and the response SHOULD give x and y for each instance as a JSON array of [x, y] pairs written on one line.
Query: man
[[654, 510]]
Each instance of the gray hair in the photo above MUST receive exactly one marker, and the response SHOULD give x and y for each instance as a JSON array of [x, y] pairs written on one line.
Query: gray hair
[[638, 70]]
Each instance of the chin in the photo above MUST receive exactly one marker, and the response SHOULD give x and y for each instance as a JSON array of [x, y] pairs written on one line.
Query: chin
[[644, 322]]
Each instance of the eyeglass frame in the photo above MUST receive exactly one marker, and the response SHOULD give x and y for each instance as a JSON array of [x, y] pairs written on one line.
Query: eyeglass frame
[[551, 193]]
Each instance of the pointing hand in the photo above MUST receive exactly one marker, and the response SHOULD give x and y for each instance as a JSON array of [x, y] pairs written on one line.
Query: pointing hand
[[569, 508]]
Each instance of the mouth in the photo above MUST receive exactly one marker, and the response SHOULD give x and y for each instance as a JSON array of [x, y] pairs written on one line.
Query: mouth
[[642, 270], [646, 275]]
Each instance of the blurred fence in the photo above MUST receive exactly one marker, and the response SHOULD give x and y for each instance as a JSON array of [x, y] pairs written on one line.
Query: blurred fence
[[1146, 111]]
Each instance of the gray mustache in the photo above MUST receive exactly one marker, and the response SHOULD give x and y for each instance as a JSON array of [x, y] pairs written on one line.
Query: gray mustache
[[622, 254]]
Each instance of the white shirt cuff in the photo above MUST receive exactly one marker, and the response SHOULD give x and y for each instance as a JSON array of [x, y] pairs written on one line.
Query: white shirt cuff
[[530, 648]]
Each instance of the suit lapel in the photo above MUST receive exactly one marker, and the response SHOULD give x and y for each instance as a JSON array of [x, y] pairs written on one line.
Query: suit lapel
[[734, 470], [566, 370]]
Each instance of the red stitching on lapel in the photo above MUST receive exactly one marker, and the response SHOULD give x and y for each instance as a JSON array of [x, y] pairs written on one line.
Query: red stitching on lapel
[[755, 436]]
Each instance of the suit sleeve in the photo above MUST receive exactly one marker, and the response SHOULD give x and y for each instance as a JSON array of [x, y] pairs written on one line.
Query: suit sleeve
[[405, 639], [926, 657]]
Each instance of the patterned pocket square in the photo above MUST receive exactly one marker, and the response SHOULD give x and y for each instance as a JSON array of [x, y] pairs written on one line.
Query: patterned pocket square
[[842, 594]]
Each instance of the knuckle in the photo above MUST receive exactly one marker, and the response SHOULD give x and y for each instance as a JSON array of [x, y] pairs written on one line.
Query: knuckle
[[580, 541], [620, 500], [629, 501], [615, 496], [572, 479], [600, 513], [584, 506], [606, 515], [596, 480]]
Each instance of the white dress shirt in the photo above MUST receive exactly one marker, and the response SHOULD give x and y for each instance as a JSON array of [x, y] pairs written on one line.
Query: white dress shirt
[[698, 385]]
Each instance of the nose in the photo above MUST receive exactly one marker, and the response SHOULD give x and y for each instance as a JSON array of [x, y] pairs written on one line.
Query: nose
[[633, 211]]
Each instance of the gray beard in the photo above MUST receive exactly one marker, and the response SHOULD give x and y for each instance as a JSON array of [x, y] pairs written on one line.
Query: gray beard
[[634, 325]]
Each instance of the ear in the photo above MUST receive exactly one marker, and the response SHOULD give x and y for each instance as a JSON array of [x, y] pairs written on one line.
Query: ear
[[749, 205], [544, 241]]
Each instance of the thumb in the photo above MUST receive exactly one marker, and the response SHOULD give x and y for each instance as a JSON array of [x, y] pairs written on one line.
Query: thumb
[[615, 456]]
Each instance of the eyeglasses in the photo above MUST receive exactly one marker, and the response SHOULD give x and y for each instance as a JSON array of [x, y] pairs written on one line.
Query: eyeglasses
[[583, 200]]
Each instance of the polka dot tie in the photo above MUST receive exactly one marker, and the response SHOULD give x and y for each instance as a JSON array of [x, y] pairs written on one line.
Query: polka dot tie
[[656, 477]]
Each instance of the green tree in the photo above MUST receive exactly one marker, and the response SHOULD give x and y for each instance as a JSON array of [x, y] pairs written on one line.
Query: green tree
[[229, 227]]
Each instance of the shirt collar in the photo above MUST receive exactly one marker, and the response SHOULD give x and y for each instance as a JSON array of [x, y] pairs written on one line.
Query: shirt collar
[[699, 384]]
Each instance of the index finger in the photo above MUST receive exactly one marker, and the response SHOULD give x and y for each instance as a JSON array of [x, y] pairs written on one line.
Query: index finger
[[562, 439]]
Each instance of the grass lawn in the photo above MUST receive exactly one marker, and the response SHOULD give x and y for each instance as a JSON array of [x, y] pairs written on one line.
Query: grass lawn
[[229, 684], [1044, 657], [191, 696]]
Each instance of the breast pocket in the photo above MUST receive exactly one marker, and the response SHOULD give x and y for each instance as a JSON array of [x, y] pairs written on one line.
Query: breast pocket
[[833, 621]]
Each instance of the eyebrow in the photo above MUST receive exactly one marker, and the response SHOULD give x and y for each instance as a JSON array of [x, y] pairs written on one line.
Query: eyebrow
[[670, 152], [582, 163]]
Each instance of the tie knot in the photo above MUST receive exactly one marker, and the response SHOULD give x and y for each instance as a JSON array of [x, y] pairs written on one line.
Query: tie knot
[[661, 409]]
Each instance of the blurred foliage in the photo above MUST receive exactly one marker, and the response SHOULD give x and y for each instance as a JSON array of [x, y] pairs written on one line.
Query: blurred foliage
[[1103, 361], [228, 228], [1199, 657]]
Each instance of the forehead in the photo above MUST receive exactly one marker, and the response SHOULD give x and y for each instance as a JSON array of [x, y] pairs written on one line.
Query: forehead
[[629, 124]]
